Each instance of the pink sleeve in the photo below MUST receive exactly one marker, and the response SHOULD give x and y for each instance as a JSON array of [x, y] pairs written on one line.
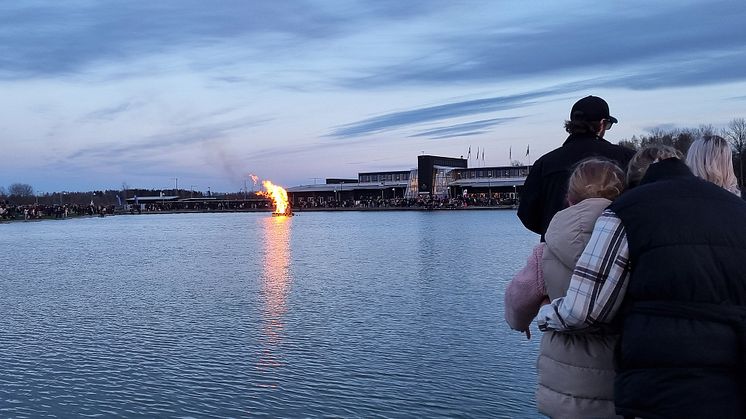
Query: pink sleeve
[[525, 292]]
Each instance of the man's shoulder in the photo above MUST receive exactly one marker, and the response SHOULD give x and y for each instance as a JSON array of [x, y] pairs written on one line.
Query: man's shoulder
[[619, 148], [576, 149]]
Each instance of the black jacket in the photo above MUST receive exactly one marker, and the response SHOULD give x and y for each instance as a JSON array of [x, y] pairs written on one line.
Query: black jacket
[[683, 340], [545, 190]]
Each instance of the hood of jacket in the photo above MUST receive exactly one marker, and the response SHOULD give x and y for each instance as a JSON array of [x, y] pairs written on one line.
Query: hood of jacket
[[571, 228]]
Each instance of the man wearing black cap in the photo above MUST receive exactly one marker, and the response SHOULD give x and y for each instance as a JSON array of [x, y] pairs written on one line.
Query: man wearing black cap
[[544, 192]]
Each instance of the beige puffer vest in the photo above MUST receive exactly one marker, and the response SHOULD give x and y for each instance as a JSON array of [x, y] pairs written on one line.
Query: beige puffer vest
[[576, 371]]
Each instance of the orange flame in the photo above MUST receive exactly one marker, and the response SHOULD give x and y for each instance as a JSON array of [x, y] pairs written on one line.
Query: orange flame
[[279, 196]]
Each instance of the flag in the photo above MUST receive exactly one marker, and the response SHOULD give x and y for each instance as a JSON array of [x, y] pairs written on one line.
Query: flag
[[527, 149], [510, 154], [482, 154], [477, 152], [469, 154]]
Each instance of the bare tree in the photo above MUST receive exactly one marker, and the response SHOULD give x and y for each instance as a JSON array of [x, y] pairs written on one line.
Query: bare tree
[[705, 131], [735, 133], [2, 191], [20, 189], [633, 143]]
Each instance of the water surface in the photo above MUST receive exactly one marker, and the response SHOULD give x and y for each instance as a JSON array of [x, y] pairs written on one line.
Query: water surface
[[354, 314]]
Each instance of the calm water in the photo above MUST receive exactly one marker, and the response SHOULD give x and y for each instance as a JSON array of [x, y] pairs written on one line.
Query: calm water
[[382, 314]]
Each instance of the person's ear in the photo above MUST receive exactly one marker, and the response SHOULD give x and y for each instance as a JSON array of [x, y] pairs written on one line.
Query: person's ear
[[601, 129]]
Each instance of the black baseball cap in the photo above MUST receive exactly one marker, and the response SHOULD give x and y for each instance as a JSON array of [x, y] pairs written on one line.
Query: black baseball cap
[[591, 109]]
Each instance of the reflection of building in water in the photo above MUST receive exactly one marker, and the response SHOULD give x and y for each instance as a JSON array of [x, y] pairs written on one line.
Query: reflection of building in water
[[275, 288]]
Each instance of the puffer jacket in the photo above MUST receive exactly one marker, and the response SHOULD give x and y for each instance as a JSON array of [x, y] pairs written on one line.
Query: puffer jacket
[[576, 371]]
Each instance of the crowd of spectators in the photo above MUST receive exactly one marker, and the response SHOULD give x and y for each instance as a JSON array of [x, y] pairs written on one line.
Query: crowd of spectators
[[9, 211], [200, 206], [471, 200]]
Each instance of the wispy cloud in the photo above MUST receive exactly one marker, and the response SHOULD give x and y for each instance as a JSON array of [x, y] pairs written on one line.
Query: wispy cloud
[[657, 48], [45, 38], [110, 112], [464, 129], [446, 111], [163, 142]]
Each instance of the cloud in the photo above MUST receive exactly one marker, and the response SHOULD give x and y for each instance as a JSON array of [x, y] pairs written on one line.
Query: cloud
[[120, 150], [680, 44], [661, 127], [48, 38], [449, 110], [110, 112], [464, 129]]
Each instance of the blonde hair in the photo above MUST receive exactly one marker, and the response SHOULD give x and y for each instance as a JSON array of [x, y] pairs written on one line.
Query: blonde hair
[[595, 178], [640, 162], [710, 158]]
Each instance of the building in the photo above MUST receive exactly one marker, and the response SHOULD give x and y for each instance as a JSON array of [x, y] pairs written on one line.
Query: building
[[435, 176]]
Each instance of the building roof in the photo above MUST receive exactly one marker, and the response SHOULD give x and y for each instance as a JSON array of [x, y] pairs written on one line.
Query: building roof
[[153, 198], [348, 186], [487, 182]]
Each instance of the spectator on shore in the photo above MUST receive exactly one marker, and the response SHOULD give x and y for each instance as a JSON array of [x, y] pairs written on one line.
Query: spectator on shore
[[670, 251], [545, 188], [575, 371], [711, 159]]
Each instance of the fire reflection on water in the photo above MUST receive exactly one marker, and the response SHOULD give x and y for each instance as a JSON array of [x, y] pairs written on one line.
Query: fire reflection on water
[[274, 290]]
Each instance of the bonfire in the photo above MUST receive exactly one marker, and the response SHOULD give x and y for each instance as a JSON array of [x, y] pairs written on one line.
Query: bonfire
[[279, 197]]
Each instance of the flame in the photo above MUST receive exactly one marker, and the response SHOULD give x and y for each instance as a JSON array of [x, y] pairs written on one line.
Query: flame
[[279, 196]]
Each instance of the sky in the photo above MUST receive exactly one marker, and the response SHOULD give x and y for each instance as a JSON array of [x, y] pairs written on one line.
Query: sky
[[150, 94]]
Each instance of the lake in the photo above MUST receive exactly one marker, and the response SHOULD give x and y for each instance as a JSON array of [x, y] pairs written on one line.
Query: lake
[[333, 314]]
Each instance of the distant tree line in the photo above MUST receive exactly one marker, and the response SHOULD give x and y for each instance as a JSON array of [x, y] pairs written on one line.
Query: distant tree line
[[23, 194], [681, 139]]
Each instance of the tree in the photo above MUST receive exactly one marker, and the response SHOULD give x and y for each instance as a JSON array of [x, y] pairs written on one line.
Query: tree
[[20, 189], [633, 143], [705, 131], [2, 191], [679, 139], [735, 133]]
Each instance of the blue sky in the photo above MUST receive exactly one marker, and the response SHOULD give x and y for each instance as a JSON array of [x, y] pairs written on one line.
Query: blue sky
[[96, 94]]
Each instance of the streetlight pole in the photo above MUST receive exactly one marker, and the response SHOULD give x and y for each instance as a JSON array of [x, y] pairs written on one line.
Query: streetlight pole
[[176, 188], [489, 189]]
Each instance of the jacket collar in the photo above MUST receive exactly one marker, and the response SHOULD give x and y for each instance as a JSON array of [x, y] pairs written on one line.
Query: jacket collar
[[666, 169], [581, 137]]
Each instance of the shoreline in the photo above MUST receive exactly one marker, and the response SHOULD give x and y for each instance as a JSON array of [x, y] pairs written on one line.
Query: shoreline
[[296, 211]]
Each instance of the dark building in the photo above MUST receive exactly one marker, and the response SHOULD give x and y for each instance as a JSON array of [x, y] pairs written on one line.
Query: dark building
[[431, 172]]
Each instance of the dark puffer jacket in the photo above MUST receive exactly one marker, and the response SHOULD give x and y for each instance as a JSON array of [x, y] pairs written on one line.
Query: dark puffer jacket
[[683, 342]]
